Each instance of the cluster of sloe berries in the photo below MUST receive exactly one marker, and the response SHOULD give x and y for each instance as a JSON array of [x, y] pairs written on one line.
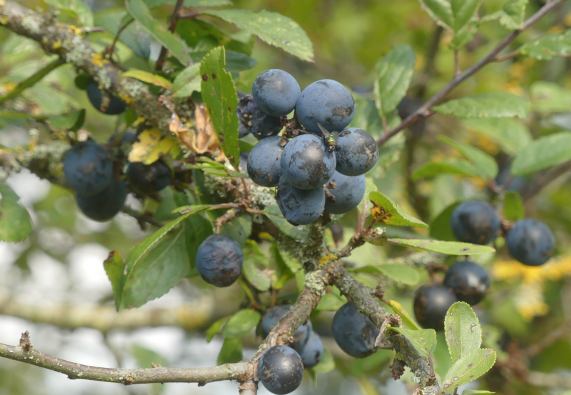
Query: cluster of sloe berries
[[100, 191], [318, 166], [529, 241], [281, 367]]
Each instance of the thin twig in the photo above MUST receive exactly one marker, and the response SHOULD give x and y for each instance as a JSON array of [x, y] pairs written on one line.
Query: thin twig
[[425, 111], [172, 27]]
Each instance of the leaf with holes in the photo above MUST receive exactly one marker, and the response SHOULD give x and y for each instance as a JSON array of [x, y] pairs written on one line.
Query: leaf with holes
[[220, 97]]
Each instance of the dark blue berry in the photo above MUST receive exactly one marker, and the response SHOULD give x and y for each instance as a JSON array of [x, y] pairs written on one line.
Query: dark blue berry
[[431, 302], [306, 162], [475, 222], [280, 369], [325, 103], [148, 178], [271, 319], [87, 167], [531, 242], [354, 332], [103, 205], [219, 260], [276, 92], [356, 152], [346, 193], [264, 162], [468, 280], [312, 351], [300, 206]]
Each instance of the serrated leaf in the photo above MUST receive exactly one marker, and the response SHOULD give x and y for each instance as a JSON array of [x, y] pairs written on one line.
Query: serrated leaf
[[511, 134], [242, 323], [220, 97], [543, 153], [157, 263], [452, 14], [423, 340], [149, 78], [187, 81], [512, 15], [394, 74], [176, 46], [15, 221], [270, 27], [230, 352], [462, 330], [388, 212], [489, 105], [469, 368], [114, 267], [444, 247], [482, 162], [458, 167], [548, 46], [401, 273], [513, 208]]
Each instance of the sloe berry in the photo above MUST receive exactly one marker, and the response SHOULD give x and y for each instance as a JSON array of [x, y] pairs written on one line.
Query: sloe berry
[[219, 260], [354, 332], [311, 353], [280, 369], [299, 206], [271, 319], [276, 92], [475, 222], [431, 302], [531, 242], [468, 280], [306, 162], [103, 101], [148, 178], [356, 152], [346, 194], [103, 205], [264, 162], [87, 168]]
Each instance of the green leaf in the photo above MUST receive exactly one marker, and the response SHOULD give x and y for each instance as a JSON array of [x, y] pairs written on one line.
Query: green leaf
[[549, 97], [394, 74], [402, 273], [513, 208], [543, 153], [452, 14], [477, 392], [149, 78], [74, 9], [220, 97], [254, 268], [157, 263], [147, 358], [187, 81], [388, 212], [270, 27], [548, 46], [469, 368], [215, 328], [15, 221], [196, 228], [482, 162], [462, 330], [230, 352], [407, 320], [330, 302], [114, 267], [72, 121], [489, 105], [242, 323], [444, 247], [511, 134], [190, 3], [458, 167], [423, 340], [238, 229], [176, 46], [440, 228], [512, 15]]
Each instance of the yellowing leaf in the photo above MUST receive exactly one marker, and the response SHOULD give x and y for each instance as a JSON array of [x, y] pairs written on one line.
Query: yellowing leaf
[[150, 146], [149, 78]]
